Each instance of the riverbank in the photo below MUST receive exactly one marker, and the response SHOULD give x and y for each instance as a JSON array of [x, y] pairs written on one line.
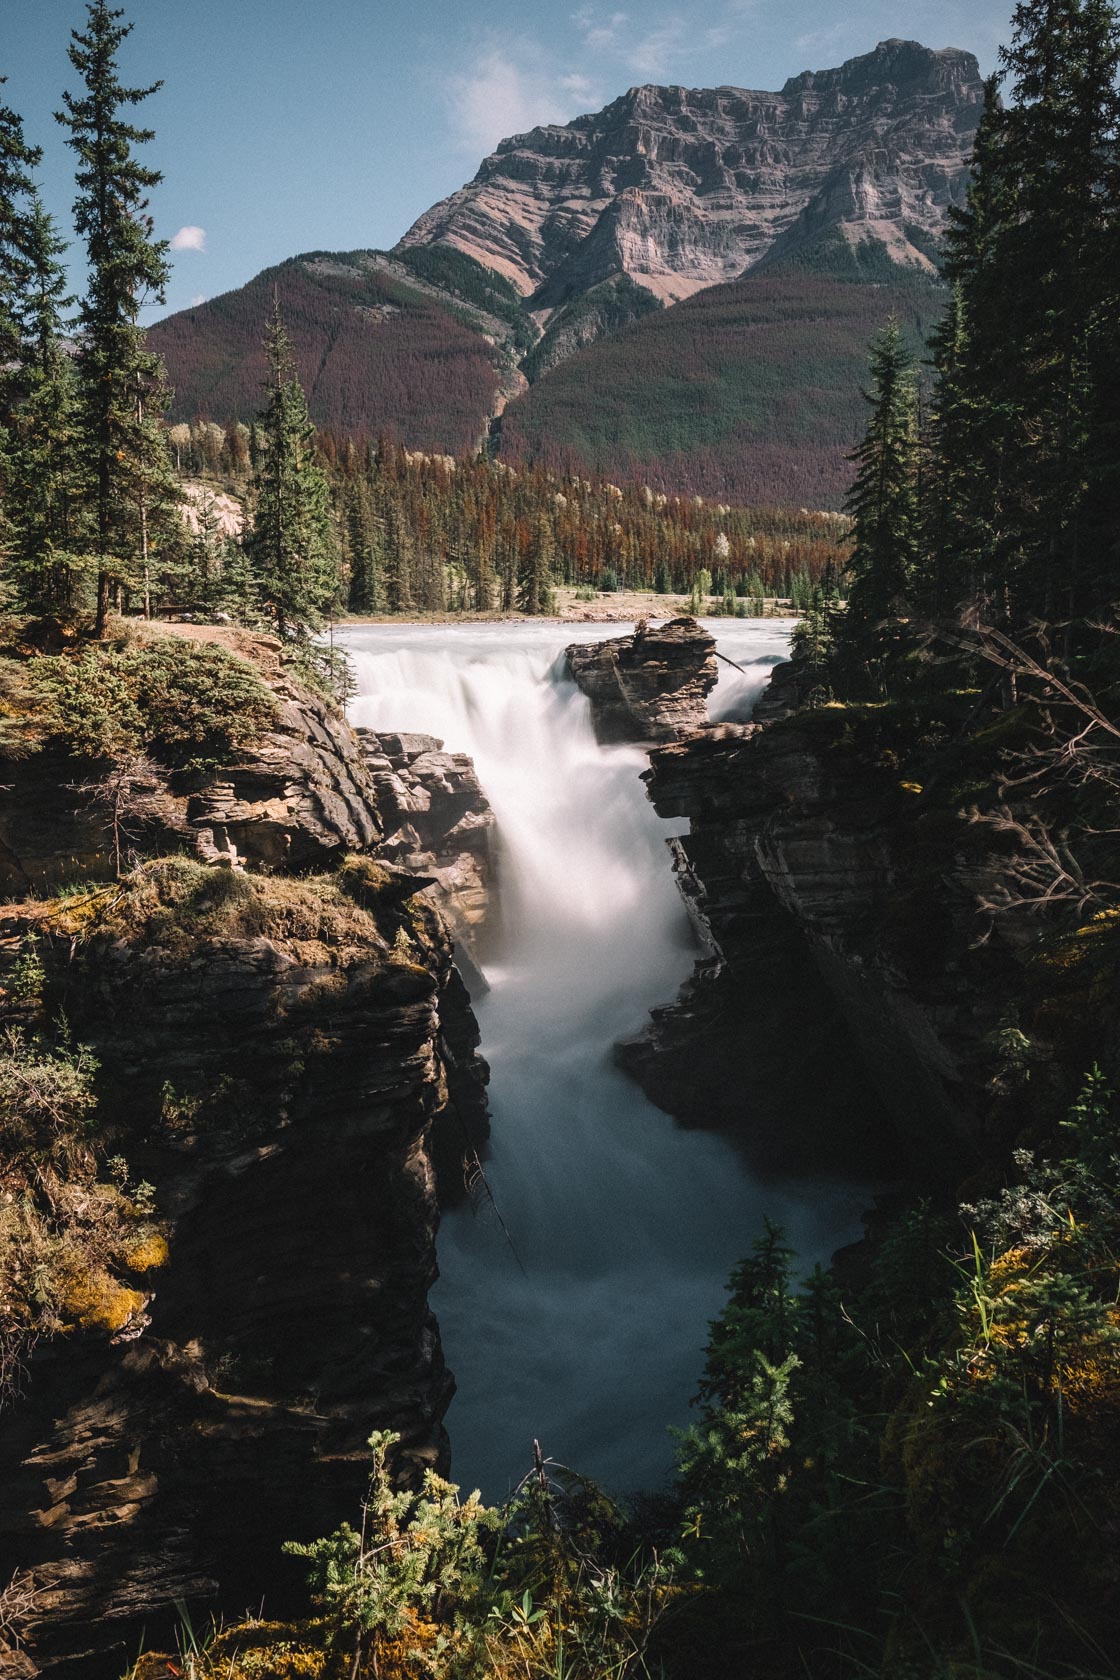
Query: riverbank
[[607, 607]]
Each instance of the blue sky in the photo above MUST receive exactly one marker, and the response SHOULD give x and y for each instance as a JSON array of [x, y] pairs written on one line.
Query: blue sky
[[297, 125]]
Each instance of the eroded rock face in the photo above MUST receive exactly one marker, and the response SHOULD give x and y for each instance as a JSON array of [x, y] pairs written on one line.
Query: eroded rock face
[[300, 801], [437, 821], [682, 188], [287, 1086], [832, 906], [651, 686], [294, 1162]]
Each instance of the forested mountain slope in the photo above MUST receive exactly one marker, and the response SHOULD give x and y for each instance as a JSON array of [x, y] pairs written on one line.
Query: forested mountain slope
[[377, 348], [748, 393]]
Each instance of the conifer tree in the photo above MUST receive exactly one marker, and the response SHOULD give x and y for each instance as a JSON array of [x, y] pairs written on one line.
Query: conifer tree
[[975, 417], [45, 473], [17, 161], [535, 579], [397, 572], [363, 550], [121, 387], [1063, 130], [883, 501], [292, 544], [1025, 477], [952, 565]]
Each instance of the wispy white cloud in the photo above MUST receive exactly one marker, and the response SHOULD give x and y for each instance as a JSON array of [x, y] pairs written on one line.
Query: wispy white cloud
[[511, 85], [601, 31], [189, 239], [660, 44], [509, 88], [830, 39], [200, 298], [642, 51]]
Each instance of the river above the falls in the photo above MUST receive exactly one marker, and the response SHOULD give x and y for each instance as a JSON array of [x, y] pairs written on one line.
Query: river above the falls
[[585, 1329]]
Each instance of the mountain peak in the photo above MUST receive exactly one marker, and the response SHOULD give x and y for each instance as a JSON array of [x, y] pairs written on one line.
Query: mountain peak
[[904, 64], [675, 189]]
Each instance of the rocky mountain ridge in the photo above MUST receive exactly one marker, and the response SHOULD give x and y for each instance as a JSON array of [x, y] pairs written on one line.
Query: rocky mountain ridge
[[684, 188]]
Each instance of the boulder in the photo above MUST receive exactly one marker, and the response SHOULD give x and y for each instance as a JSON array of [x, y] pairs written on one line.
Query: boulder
[[649, 687]]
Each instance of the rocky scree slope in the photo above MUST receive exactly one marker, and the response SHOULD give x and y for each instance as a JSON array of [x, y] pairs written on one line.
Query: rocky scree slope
[[278, 1045]]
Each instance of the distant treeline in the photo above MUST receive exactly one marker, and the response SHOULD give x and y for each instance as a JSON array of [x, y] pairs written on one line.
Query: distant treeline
[[433, 533]]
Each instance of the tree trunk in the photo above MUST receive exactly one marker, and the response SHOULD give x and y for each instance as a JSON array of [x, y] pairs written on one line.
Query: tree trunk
[[101, 621]]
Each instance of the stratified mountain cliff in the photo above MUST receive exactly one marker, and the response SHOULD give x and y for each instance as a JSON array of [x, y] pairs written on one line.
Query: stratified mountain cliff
[[682, 188], [572, 233]]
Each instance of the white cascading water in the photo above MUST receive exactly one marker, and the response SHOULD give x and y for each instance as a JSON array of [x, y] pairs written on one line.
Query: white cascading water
[[586, 1328]]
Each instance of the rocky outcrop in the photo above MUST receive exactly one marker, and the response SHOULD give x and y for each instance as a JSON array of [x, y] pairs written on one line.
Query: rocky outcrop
[[299, 800], [283, 1056], [783, 695], [756, 1045], [838, 901], [651, 686], [281, 1099], [437, 821], [683, 188]]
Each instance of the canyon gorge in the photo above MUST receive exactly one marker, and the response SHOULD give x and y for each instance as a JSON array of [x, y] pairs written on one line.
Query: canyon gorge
[[293, 1056]]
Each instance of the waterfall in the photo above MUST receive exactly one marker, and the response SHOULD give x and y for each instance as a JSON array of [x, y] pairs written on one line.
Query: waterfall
[[588, 1333]]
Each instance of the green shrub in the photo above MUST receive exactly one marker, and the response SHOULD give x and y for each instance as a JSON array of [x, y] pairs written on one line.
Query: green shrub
[[190, 706]]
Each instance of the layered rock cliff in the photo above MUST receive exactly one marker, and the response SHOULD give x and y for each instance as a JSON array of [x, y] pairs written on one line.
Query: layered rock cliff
[[438, 822], [650, 686], [840, 899], [682, 188], [279, 1050]]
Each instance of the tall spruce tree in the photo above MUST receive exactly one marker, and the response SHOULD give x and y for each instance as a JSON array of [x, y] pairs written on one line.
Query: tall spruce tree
[[883, 501], [975, 415], [535, 580], [363, 549], [121, 385], [1063, 129], [1025, 479], [292, 543], [397, 571], [17, 161], [45, 471]]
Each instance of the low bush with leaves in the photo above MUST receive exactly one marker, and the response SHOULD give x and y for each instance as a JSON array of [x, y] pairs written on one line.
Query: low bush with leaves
[[913, 1470], [430, 1586]]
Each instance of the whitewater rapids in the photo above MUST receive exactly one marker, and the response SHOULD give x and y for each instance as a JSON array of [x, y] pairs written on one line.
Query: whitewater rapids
[[586, 1328]]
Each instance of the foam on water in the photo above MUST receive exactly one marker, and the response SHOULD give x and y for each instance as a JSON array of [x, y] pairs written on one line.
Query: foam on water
[[626, 1226]]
